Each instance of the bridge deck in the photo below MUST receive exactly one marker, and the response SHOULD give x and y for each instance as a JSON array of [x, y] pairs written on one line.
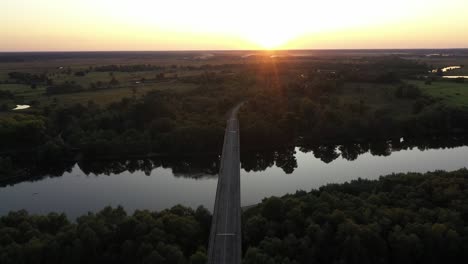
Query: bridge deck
[[225, 237]]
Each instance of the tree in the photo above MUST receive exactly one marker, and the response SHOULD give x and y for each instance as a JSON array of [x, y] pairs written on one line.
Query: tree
[[273, 208], [198, 257], [113, 81]]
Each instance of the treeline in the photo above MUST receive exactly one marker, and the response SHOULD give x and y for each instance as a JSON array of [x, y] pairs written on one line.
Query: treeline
[[161, 122], [151, 67], [404, 218], [6, 94], [29, 78], [177, 235], [400, 218], [128, 68], [207, 77], [385, 69], [73, 87], [10, 172], [21, 131], [66, 87], [327, 106], [17, 168]]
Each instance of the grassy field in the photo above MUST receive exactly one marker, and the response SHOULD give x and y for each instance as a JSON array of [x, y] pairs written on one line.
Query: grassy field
[[83, 62], [21, 89], [25, 94], [451, 93], [127, 81], [122, 77], [376, 97], [107, 96]]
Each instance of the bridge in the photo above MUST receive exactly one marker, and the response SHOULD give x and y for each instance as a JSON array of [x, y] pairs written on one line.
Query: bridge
[[225, 236]]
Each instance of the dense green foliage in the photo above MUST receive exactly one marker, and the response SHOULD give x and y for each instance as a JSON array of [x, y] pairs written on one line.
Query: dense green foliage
[[403, 218], [6, 95], [28, 78], [66, 87], [21, 131], [159, 122], [345, 103], [177, 235]]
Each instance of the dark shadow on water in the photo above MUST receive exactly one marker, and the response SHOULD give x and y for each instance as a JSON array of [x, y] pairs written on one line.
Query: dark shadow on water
[[187, 167], [286, 160], [208, 166]]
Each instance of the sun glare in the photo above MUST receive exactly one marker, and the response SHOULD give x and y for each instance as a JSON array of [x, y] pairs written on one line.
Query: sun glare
[[269, 40], [222, 24], [270, 26]]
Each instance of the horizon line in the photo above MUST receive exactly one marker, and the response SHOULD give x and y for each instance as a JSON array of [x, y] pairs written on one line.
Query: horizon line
[[200, 50]]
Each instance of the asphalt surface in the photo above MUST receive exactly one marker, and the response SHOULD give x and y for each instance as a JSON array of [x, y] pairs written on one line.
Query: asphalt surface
[[225, 236]]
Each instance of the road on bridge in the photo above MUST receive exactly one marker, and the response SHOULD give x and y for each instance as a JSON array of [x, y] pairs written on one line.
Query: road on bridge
[[225, 236]]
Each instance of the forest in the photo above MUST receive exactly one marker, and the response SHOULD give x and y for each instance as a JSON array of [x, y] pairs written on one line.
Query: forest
[[288, 102], [399, 218]]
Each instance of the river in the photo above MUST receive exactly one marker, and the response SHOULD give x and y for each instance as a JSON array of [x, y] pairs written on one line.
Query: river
[[158, 184]]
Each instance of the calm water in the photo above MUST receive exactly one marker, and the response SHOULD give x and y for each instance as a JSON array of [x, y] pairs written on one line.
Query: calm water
[[154, 185], [455, 77], [446, 69], [21, 107]]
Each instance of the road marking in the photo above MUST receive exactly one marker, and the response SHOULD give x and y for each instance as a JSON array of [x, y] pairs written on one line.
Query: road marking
[[223, 244]]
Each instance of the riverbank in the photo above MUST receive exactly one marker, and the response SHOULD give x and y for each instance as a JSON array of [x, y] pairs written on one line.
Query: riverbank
[[24, 164], [399, 218], [157, 184]]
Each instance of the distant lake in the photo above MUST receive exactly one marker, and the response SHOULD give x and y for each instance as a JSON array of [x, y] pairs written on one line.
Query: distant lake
[[21, 107], [156, 185], [446, 69], [455, 77]]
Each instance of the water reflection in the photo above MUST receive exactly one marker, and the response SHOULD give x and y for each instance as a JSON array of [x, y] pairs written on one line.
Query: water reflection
[[252, 161], [446, 69], [188, 167], [158, 183], [191, 167], [456, 77], [286, 158]]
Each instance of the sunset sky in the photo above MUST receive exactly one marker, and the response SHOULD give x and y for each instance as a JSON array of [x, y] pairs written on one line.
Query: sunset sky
[[65, 25]]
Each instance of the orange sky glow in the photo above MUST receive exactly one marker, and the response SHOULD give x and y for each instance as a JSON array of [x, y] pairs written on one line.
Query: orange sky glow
[[65, 25]]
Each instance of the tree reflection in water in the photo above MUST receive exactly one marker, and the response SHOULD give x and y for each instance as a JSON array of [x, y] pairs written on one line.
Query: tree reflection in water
[[208, 166]]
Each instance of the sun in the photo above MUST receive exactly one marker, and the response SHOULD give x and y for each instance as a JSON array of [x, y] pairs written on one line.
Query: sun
[[267, 40], [272, 37], [271, 28]]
